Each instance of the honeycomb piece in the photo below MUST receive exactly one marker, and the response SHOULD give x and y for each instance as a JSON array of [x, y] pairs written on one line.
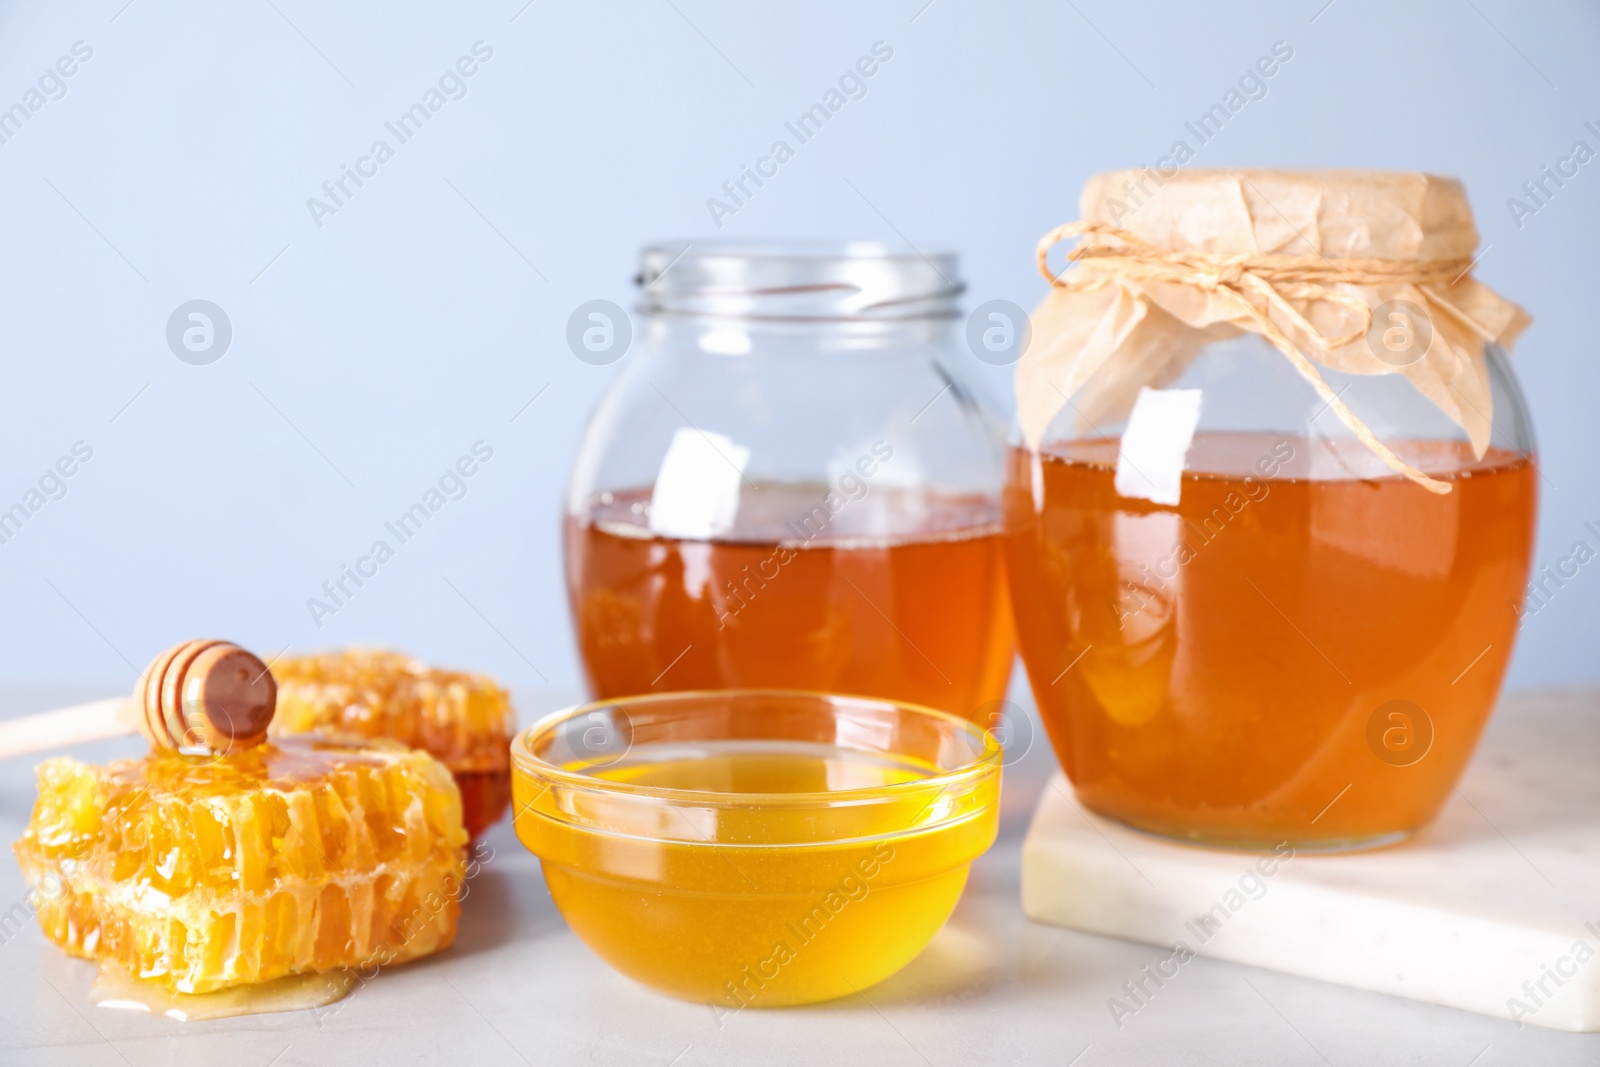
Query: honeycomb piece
[[463, 719], [200, 874]]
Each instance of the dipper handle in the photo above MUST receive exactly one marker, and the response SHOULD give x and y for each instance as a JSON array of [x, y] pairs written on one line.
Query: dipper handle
[[49, 731]]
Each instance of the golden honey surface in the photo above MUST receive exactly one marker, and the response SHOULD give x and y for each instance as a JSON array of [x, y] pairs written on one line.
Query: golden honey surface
[[292, 992], [732, 915], [291, 857], [1211, 669], [903, 598]]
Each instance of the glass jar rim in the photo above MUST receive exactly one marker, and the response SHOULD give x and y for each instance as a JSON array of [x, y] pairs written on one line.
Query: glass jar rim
[[988, 760], [799, 280]]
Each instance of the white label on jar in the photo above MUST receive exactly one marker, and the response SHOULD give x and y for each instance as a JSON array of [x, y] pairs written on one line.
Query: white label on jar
[[697, 489], [1151, 455], [1036, 477]]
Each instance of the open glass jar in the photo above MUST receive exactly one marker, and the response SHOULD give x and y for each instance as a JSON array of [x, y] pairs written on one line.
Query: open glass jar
[[1243, 623], [791, 485]]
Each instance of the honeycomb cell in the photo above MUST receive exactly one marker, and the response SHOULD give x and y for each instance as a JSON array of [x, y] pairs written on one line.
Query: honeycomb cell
[[206, 873], [465, 720]]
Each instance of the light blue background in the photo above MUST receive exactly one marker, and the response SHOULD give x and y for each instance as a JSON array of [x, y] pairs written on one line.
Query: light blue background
[[431, 308]]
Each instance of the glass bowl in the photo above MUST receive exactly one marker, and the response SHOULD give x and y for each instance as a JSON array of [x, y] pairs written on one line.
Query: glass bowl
[[755, 848]]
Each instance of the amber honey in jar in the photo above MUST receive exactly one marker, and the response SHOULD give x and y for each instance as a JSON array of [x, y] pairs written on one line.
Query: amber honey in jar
[[792, 485], [1251, 615]]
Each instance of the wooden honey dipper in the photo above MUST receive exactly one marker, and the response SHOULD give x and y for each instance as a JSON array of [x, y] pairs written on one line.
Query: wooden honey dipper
[[206, 696], [200, 697]]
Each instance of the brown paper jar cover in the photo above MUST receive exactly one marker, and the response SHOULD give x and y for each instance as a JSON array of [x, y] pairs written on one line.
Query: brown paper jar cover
[[1300, 257]]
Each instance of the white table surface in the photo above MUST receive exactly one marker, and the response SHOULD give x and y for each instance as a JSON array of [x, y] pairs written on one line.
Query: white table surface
[[518, 987]]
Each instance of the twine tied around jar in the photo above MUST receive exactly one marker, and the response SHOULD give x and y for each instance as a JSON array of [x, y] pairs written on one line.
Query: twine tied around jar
[[1263, 285], [1316, 263]]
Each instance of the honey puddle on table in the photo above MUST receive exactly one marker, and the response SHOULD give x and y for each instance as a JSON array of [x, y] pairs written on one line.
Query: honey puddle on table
[[295, 992]]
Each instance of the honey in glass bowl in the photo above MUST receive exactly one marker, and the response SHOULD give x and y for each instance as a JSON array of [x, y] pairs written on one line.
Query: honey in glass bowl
[[756, 848]]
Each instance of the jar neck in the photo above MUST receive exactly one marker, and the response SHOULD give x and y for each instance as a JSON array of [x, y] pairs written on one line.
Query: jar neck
[[799, 280], [739, 335]]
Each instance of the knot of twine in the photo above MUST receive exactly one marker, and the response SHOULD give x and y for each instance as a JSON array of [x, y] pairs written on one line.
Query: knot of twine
[[1259, 283]]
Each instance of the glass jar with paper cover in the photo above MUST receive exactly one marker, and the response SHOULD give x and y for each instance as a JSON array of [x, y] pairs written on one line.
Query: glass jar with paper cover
[[1270, 510], [790, 484]]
